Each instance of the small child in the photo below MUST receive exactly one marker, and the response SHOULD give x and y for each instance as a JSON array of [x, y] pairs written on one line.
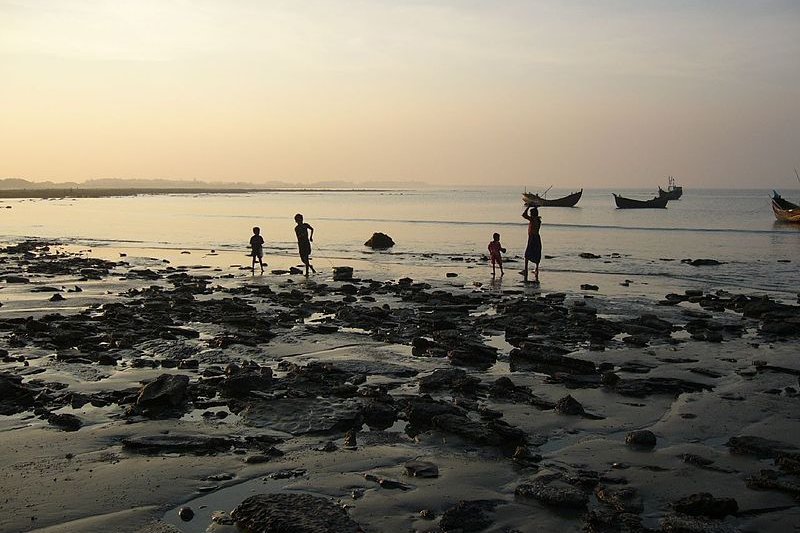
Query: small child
[[495, 249], [257, 249]]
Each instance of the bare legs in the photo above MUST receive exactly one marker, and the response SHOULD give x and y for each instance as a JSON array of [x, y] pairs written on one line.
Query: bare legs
[[307, 263], [535, 272]]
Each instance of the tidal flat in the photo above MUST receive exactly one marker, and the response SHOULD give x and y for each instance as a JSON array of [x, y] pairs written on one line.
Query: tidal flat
[[136, 395]]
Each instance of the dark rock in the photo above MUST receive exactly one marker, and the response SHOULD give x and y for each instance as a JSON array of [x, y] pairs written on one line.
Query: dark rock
[[774, 480], [257, 459], [287, 473], [623, 500], [589, 287], [569, 406], [295, 513], [473, 355], [174, 442], [45, 289], [448, 378], [185, 514], [420, 345], [427, 514], [164, 394], [420, 411], [466, 428], [550, 490], [645, 387], [379, 241], [379, 414], [422, 469], [609, 520], [523, 456], [589, 255], [504, 389], [760, 447], [642, 439], [350, 439], [548, 360], [65, 421], [240, 382], [467, 516], [15, 396], [304, 415], [704, 504], [451, 275], [701, 262], [16, 279], [342, 273], [678, 523], [57, 298]]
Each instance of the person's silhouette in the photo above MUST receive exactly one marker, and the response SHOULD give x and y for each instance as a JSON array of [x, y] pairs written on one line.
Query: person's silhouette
[[257, 249], [304, 241]]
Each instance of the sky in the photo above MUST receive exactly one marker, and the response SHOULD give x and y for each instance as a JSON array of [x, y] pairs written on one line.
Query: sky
[[596, 93]]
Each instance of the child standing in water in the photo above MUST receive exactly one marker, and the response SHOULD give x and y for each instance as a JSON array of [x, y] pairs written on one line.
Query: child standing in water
[[533, 252], [304, 241], [495, 249], [257, 249]]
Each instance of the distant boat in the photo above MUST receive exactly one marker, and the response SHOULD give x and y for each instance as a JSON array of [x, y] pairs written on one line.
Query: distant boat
[[659, 202], [785, 211], [673, 191], [569, 200]]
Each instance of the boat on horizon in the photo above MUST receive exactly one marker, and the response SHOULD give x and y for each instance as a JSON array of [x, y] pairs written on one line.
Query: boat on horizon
[[659, 202], [785, 211], [532, 199], [673, 192]]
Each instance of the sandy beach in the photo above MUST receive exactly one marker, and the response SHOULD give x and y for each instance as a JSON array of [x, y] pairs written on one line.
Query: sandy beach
[[160, 393]]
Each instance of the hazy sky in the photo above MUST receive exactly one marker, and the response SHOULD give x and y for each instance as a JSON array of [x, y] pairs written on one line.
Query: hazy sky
[[592, 93]]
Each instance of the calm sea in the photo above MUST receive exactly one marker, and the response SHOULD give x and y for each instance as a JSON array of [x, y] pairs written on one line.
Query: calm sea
[[432, 227]]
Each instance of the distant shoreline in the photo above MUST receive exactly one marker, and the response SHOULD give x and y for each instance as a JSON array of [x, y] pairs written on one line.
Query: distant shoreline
[[134, 191]]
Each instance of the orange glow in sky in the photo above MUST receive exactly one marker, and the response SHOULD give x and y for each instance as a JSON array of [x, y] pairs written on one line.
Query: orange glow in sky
[[590, 94]]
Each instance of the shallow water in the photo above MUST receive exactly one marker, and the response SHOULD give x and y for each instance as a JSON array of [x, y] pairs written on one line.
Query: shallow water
[[432, 227]]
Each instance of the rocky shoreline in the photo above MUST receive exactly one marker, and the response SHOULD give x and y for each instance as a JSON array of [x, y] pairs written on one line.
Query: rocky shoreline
[[368, 405]]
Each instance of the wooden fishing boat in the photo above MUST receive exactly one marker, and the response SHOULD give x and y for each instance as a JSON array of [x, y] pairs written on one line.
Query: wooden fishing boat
[[569, 200], [629, 203], [673, 191], [785, 211]]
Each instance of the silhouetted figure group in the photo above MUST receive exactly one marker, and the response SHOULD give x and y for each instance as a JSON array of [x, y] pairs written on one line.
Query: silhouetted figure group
[[304, 240], [533, 251], [305, 236]]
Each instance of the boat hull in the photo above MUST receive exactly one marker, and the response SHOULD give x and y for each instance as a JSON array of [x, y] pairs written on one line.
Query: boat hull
[[567, 201], [629, 203], [785, 211]]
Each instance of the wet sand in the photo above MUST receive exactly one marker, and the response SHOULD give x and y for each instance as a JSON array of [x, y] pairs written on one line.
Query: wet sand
[[522, 396]]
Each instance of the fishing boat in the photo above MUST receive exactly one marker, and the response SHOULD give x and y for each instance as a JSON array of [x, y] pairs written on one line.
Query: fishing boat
[[785, 211], [673, 191], [659, 202], [569, 200]]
